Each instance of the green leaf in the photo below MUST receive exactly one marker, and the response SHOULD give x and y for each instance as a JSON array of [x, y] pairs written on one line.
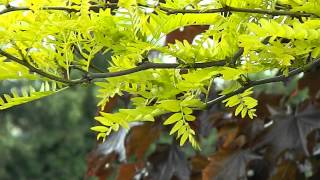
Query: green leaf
[[104, 121], [101, 135], [239, 109], [184, 138], [251, 113], [170, 105], [173, 118], [182, 130], [231, 73], [127, 3], [99, 128], [244, 112], [176, 127], [115, 127], [247, 92], [45, 90], [190, 117], [232, 101], [186, 110], [193, 103]]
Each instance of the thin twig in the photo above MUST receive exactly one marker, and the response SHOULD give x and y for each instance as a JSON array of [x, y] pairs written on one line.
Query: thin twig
[[34, 69], [91, 76], [146, 66], [96, 8], [279, 78], [236, 56], [240, 10]]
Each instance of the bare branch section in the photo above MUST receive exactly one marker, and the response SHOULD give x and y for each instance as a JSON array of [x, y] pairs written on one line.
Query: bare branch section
[[279, 78], [241, 10], [226, 9], [94, 8]]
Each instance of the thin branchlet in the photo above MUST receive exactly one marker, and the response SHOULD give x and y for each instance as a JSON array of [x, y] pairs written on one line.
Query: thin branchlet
[[279, 78], [226, 9]]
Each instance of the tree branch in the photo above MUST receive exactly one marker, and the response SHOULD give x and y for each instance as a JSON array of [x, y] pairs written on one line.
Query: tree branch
[[91, 76], [236, 56], [34, 69], [145, 66], [96, 8], [240, 10], [149, 65], [279, 78]]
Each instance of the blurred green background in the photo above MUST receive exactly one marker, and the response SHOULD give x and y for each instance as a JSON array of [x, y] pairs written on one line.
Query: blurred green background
[[48, 138]]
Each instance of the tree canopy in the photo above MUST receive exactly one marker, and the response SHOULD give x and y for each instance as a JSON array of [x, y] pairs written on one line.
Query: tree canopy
[[54, 42]]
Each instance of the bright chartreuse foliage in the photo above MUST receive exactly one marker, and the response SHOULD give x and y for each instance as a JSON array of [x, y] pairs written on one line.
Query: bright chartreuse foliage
[[47, 40], [27, 94]]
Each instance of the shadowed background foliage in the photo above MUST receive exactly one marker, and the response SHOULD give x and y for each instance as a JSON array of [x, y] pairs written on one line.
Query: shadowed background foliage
[[49, 138]]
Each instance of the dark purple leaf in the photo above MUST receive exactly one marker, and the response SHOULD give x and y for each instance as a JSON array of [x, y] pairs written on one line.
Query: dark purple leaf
[[290, 131], [169, 162], [226, 166]]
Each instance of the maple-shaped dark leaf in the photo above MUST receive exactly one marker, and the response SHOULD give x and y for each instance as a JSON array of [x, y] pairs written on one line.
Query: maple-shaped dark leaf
[[226, 166], [215, 164], [290, 131], [235, 167], [168, 162], [268, 100], [251, 129]]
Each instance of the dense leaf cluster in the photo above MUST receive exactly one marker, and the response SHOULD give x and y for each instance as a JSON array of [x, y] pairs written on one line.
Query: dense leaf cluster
[[282, 144], [49, 41]]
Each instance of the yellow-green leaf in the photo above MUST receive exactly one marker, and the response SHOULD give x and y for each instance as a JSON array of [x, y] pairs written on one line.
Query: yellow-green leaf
[[173, 118]]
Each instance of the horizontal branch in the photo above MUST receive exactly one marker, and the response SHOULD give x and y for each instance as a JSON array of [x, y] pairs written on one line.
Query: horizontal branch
[[91, 76], [241, 10], [279, 78], [146, 66], [94, 8], [226, 9], [149, 65], [34, 69]]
